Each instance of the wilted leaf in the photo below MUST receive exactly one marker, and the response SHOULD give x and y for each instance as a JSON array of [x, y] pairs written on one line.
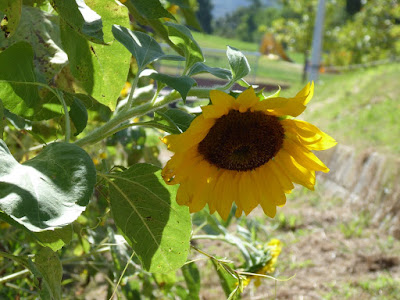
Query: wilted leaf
[[49, 191], [41, 30], [12, 11], [145, 210]]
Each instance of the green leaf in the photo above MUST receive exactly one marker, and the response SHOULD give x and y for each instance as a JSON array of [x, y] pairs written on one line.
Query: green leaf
[[17, 121], [192, 278], [239, 65], [41, 30], [182, 37], [101, 69], [2, 119], [190, 17], [177, 118], [49, 191], [81, 18], [151, 9], [12, 15], [48, 268], [227, 280], [144, 208], [55, 239], [143, 47], [16, 64], [182, 84], [200, 67], [79, 115]]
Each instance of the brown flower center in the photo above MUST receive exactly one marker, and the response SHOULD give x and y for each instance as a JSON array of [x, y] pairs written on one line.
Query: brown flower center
[[242, 141]]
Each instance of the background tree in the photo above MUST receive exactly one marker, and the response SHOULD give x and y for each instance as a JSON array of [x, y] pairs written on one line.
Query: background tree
[[204, 15]]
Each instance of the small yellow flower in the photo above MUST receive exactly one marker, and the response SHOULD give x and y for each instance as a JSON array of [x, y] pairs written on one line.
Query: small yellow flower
[[274, 247], [126, 89], [245, 151]]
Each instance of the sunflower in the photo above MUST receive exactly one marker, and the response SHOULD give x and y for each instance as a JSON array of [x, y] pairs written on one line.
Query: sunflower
[[245, 150]]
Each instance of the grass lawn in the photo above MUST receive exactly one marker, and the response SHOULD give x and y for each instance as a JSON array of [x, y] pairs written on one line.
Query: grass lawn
[[263, 69], [360, 108]]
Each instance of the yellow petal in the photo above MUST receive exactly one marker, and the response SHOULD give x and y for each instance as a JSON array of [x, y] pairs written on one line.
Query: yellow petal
[[307, 92], [303, 156], [281, 106], [220, 98], [308, 135], [283, 179], [247, 99], [214, 112], [248, 196], [181, 166], [224, 195], [274, 192], [192, 136], [296, 172]]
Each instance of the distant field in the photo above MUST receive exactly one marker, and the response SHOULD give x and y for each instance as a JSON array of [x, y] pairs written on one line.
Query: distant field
[[361, 108], [264, 70]]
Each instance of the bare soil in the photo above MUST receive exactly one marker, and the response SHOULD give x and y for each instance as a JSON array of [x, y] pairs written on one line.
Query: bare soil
[[329, 252]]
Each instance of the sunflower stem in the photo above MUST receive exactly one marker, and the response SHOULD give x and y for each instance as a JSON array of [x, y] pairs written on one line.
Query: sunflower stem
[[113, 125]]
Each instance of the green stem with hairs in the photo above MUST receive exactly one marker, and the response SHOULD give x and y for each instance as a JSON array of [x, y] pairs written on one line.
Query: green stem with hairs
[[112, 125]]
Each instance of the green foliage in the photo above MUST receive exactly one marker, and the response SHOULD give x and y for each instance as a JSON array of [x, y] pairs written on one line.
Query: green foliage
[[17, 68], [239, 65], [48, 191], [62, 69], [182, 38], [157, 228], [204, 15], [182, 84], [12, 15], [50, 268], [100, 69], [81, 18]]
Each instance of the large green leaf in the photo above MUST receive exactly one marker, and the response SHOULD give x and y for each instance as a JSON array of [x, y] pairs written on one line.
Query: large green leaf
[[81, 18], [49, 191], [239, 65], [143, 47], [41, 30], [101, 69], [11, 9], [151, 9], [16, 64], [182, 37], [145, 210]]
